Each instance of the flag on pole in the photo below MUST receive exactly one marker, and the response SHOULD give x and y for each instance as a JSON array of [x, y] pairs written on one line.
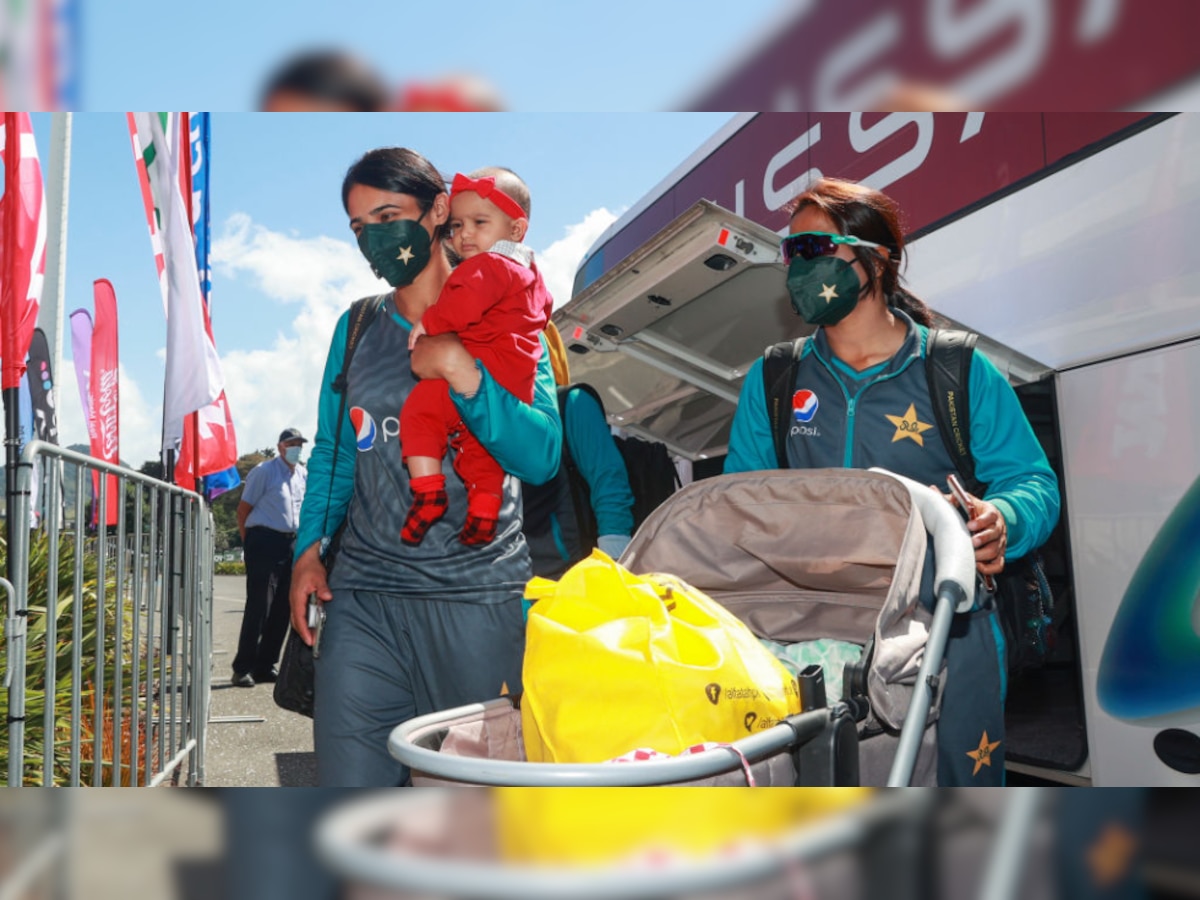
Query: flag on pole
[[81, 354], [104, 388], [27, 433], [42, 397], [193, 376], [41, 389], [22, 244], [25, 414], [212, 426]]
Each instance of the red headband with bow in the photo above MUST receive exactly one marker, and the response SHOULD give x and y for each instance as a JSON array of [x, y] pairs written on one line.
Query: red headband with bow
[[486, 188]]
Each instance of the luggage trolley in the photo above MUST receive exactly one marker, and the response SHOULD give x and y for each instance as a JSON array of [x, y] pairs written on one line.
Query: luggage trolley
[[877, 515]]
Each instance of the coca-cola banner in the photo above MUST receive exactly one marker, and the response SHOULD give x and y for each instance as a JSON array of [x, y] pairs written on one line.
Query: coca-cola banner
[[103, 388]]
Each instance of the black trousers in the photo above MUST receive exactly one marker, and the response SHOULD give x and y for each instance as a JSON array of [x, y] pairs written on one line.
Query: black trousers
[[268, 581]]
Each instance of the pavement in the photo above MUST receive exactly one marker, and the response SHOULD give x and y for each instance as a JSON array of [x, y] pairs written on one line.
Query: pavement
[[251, 741]]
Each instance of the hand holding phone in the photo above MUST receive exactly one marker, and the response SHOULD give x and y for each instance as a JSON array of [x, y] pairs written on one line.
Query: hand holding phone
[[960, 494], [316, 622], [968, 511]]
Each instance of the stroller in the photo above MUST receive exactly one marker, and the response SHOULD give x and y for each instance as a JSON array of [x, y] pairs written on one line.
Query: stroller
[[797, 556]]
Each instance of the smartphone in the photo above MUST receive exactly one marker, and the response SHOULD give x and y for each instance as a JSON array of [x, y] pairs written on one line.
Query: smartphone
[[316, 622], [967, 508]]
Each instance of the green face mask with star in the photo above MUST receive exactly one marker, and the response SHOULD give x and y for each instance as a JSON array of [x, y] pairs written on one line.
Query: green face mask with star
[[397, 250], [823, 290]]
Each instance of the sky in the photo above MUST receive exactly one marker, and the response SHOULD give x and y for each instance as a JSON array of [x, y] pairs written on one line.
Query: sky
[[284, 261], [541, 56]]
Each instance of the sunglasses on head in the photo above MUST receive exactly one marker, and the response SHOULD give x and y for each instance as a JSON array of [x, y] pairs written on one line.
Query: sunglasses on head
[[811, 244]]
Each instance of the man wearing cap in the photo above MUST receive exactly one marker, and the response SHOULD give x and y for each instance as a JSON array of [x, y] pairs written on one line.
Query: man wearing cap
[[267, 517]]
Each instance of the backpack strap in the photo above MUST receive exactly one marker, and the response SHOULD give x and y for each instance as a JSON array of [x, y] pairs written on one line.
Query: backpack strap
[[948, 355], [580, 490], [780, 364], [362, 314]]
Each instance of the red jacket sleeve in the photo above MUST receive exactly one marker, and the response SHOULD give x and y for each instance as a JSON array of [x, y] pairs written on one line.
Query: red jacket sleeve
[[473, 288]]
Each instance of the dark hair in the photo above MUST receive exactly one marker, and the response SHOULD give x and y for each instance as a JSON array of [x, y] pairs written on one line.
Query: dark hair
[[864, 212], [399, 171], [509, 182], [329, 75]]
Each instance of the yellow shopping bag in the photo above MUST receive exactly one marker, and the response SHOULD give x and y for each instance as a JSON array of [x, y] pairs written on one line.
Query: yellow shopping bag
[[616, 662]]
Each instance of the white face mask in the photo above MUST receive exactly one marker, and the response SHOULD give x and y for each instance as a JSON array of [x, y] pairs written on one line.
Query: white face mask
[[292, 455]]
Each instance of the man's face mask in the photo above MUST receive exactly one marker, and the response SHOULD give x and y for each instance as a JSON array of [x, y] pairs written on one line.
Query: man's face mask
[[292, 455], [824, 289], [397, 250]]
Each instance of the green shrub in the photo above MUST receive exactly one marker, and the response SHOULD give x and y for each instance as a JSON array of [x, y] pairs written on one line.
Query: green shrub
[[229, 568], [36, 660]]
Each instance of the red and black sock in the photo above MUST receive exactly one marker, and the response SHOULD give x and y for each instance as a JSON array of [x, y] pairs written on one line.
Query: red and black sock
[[428, 505], [483, 512]]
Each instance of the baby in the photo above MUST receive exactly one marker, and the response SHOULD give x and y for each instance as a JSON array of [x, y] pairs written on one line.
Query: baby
[[497, 304]]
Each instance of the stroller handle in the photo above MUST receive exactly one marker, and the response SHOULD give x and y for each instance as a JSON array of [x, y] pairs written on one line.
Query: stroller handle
[[954, 555], [954, 585]]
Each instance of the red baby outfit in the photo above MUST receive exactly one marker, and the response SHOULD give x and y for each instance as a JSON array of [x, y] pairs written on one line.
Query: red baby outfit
[[497, 304]]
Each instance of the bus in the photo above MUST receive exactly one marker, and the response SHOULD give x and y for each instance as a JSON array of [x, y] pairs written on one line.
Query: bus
[[1064, 241]]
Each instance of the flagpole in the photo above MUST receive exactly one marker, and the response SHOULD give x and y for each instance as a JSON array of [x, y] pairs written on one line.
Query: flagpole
[[12, 415], [58, 189]]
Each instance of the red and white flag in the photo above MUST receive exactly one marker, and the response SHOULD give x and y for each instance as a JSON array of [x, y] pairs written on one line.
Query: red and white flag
[[212, 426], [22, 244], [193, 378]]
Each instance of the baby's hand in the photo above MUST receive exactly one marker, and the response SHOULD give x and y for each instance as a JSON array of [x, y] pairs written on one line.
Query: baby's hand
[[418, 330]]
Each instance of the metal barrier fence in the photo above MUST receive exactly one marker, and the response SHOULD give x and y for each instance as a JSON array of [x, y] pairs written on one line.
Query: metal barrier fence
[[108, 682]]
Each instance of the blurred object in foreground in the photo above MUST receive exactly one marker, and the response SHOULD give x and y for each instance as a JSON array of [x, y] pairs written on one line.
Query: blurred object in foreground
[[545, 826], [324, 81], [602, 843], [39, 54], [941, 54], [760, 845], [33, 831], [460, 92]]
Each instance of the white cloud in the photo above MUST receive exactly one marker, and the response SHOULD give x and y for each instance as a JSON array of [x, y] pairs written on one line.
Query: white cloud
[[72, 428], [141, 424], [277, 386], [559, 261]]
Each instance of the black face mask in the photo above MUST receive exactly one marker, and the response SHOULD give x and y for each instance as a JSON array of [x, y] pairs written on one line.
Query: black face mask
[[398, 250]]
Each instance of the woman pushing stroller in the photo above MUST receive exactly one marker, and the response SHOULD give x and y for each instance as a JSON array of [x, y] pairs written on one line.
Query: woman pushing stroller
[[861, 399]]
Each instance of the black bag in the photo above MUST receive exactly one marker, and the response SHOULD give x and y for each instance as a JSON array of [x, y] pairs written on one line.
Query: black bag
[[1023, 596], [652, 475], [1026, 608], [295, 688]]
